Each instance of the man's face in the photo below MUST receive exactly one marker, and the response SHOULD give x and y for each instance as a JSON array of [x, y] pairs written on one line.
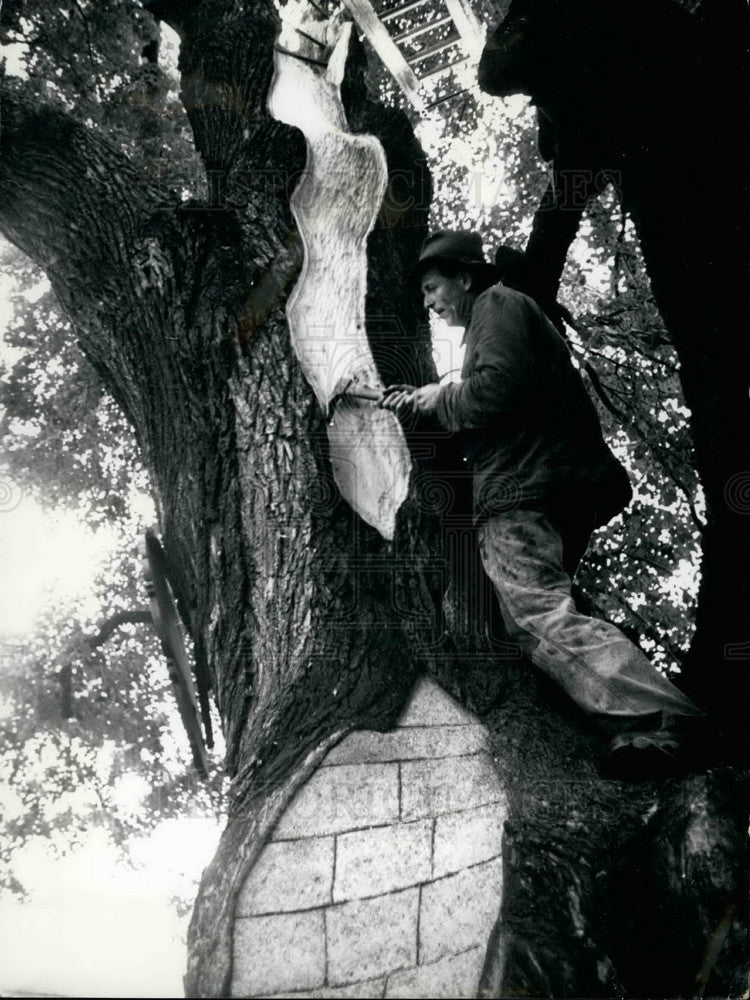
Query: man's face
[[449, 298]]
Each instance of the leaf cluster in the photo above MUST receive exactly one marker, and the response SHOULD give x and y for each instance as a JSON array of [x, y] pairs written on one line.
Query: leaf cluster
[[64, 440], [108, 64], [91, 734]]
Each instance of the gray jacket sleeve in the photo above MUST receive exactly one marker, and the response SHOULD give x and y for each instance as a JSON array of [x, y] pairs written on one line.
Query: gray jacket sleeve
[[500, 366]]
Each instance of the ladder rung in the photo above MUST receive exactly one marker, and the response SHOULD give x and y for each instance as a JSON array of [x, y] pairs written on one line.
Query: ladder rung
[[433, 49], [413, 32], [398, 11], [448, 97], [442, 69]]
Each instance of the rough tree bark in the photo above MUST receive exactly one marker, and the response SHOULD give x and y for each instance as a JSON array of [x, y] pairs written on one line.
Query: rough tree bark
[[306, 622]]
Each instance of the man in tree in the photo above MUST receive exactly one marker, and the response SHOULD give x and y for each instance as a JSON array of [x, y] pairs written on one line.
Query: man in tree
[[543, 479]]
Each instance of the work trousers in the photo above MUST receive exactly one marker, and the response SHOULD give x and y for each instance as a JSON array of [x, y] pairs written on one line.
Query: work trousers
[[530, 557]]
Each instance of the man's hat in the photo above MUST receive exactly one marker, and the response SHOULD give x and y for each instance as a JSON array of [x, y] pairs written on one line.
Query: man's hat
[[447, 247]]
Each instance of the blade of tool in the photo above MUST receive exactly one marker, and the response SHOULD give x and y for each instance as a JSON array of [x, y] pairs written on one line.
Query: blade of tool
[[353, 390]]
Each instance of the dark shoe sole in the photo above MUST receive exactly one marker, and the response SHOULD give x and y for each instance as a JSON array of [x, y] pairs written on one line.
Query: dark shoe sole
[[645, 757], [643, 765]]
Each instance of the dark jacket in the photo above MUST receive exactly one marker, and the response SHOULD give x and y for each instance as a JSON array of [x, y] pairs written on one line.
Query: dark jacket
[[528, 427]]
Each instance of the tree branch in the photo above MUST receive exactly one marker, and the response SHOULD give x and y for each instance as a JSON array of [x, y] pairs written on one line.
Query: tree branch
[[172, 12], [556, 223], [596, 383], [105, 629], [68, 198], [224, 88], [111, 624], [89, 46]]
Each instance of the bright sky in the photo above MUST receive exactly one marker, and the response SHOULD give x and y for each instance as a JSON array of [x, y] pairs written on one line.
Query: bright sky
[[96, 928], [92, 926], [46, 558]]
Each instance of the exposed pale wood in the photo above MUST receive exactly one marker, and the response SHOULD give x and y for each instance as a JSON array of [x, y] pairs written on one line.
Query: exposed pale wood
[[335, 206]]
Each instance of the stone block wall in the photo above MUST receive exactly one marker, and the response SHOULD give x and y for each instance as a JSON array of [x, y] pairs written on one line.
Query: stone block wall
[[383, 876]]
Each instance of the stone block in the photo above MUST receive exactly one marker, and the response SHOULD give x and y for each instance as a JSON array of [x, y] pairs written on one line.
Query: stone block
[[371, 862], [430, 705], [467, 838], [410, 743], [290, 875], [336, 799], [369, 990], [456, 976], [429, 788], [280, 953], [458, 912], [372, 937]]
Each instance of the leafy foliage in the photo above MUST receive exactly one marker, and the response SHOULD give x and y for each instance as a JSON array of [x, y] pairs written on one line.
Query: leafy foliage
[[63, 438], [648, 560], [107, 63], [91, 732]]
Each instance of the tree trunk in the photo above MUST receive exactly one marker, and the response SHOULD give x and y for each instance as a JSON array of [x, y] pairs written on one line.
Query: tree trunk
[[307, 621]]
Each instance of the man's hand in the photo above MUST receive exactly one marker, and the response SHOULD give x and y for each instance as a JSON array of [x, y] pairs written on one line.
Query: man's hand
[[424, 400], [403, 399], [398, 398]]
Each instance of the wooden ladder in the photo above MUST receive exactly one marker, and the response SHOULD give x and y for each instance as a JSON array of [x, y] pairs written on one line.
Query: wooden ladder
[[399, 42]]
